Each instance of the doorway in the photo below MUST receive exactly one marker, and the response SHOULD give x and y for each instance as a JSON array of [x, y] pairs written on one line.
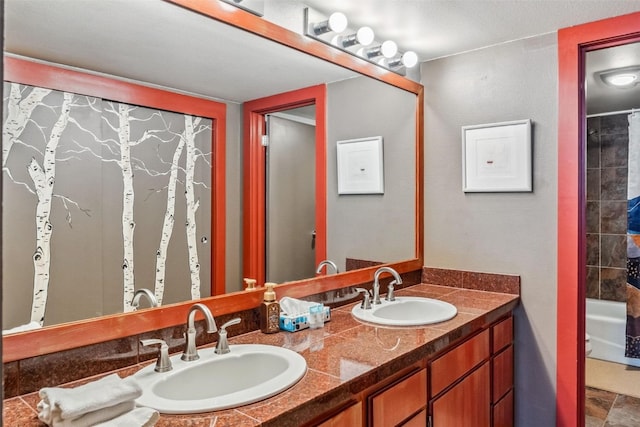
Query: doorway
[[611, 378], [573, 43], [255, 251], [290, 195]]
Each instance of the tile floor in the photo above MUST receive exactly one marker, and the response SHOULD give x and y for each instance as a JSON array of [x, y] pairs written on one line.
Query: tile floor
[[607, 409]]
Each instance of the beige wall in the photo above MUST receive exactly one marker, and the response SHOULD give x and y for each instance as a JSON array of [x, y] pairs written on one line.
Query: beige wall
[[378, 227], [233, 217], [511, 233]]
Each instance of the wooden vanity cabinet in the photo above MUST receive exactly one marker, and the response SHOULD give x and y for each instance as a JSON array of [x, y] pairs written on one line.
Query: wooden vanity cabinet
[[471, 385], [399, 401]]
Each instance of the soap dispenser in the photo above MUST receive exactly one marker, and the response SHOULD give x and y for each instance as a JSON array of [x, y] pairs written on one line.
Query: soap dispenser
[[269, 311], [249, 284]]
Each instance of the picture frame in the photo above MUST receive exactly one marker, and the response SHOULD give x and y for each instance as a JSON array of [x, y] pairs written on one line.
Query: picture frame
[[360, 166], [497, 157]]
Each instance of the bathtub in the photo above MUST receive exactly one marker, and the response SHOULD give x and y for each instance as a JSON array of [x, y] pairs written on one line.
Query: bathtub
[[606, 325]]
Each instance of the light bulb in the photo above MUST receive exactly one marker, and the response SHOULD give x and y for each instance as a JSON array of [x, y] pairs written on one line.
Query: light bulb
[[389, 49], [365, 36], [409, 59], [338, 22], [624, 79]]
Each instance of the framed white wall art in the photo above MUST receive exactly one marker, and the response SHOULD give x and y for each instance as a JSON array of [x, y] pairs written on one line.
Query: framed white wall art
[[497, 157], [360, 166]]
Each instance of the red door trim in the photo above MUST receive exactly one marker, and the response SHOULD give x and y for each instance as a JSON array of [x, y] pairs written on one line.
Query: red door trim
[[254, 174], [573, 42], [52, 77]]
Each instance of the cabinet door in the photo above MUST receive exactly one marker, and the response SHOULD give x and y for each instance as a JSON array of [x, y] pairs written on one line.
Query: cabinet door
[[350, 417], [454, 364], [399, 401], [502, 373], [468, 404], [503, 411]]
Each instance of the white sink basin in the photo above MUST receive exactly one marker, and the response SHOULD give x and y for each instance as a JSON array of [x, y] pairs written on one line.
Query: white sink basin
[[249, 373], [406, 311]]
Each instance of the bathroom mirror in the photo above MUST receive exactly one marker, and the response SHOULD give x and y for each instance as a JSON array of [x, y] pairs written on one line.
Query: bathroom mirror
[[286, 48]]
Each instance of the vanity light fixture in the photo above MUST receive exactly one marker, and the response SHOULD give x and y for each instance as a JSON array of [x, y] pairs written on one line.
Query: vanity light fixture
[[364, 36], [408, 59], [623, 78], [328, 31], [253, 6], [337, 23], [387, 49]]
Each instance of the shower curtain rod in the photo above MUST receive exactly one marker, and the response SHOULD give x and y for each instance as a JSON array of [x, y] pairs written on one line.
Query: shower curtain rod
[[613, 113]]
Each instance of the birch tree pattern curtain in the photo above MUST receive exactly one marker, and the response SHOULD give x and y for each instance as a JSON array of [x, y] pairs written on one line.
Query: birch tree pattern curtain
[[633, 240]]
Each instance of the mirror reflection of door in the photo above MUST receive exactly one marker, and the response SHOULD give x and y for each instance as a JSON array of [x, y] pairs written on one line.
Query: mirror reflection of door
[[290, 195]]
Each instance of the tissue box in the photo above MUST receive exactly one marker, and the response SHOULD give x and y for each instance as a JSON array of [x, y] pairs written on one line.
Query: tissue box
[[300, 322]]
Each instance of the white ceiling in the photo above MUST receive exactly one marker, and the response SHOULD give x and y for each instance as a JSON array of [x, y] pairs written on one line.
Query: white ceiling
[[602, 98], [436, 28], [157, 42]]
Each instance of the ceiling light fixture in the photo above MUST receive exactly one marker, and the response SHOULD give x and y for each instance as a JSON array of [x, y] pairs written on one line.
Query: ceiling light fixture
[[623, 78]]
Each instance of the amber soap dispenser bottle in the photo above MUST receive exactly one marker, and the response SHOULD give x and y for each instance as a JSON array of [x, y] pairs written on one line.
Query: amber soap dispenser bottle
[[269, 311]]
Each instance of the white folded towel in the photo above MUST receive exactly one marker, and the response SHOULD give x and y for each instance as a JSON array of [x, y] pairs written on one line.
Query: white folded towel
[[142, 416], [96, 417], [71, 403], [295, 307]]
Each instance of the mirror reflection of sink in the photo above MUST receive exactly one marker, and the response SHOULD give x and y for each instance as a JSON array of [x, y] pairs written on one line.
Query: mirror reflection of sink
[[249, 373], [406, 311]]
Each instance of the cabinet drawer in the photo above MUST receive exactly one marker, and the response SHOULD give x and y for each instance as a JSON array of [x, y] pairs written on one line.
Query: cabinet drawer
[[503, 411], [502, 334], [399, 401], [446, 369], [350, 417], [502, 373]]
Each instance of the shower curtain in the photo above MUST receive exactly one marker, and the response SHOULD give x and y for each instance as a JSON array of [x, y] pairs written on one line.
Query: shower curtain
[[633, 239]]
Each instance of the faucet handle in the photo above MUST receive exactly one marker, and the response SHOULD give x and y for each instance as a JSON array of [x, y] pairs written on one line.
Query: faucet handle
[[163, 364], [390, 291], [222, 347], [366, 302]]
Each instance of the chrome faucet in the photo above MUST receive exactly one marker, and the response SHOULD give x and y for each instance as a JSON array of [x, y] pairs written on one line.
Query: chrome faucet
[[327, 263], [190, 352], [376, 283], [222, 347], [135, 302], [163, 364], [366, 302]]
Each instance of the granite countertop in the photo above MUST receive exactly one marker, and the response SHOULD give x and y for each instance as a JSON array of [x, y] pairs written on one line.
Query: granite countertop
[[343, 358]]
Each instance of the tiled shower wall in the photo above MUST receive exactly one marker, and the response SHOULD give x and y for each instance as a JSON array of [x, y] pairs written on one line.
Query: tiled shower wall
[[607, 158]]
